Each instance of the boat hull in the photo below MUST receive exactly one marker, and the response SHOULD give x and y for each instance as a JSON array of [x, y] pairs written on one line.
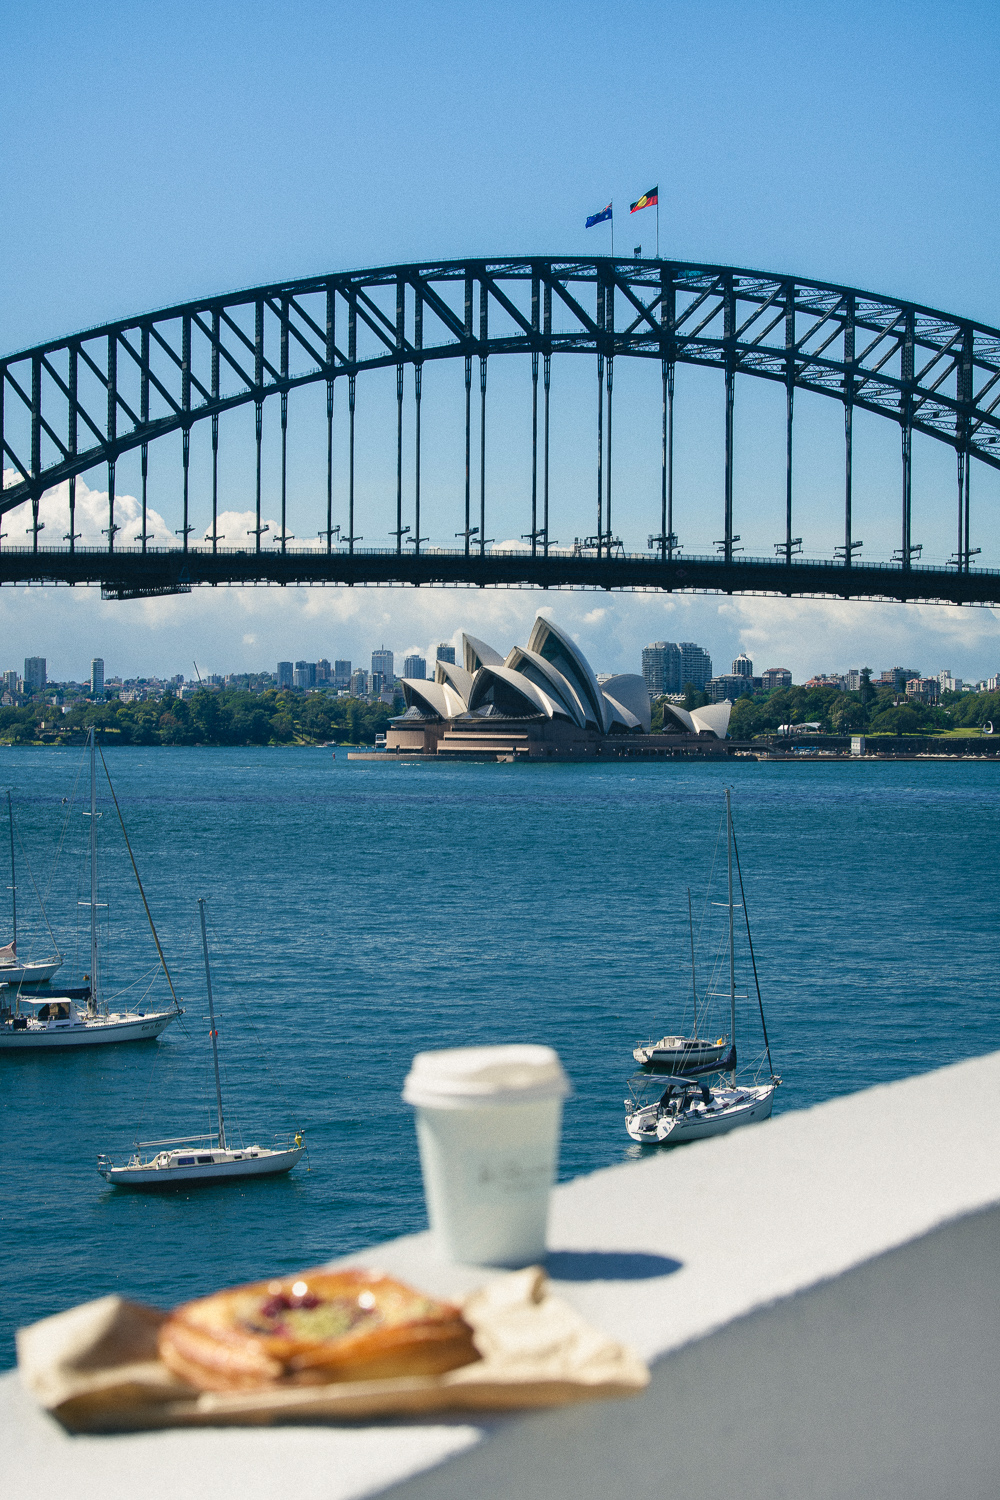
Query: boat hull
[[154, 1178], [686, 1056], [649, 1129], [29, 973], [94, 1031]]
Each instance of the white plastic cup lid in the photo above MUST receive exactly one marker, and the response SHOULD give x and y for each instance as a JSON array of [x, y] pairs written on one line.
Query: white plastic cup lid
[[467, 1077]]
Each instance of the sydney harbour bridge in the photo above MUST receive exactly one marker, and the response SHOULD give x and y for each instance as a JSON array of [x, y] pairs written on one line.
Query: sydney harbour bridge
[[86, 403]]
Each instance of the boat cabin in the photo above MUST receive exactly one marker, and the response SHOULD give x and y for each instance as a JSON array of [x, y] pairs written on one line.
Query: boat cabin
[[56, 1010]]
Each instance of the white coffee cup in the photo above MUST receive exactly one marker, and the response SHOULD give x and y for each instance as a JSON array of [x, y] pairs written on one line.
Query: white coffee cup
[[488, 1122]]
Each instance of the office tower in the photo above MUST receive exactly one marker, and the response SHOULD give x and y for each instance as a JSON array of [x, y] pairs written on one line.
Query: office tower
[[341, 675], [323, 672], [446, 653], [415, 666], [304, 675], [34, 673], [382, 662], [97, 677], [359, 683], [286, 677]]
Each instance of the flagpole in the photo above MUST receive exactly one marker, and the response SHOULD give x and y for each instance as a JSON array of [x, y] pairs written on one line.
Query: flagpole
[[657, 225], [612, 223]]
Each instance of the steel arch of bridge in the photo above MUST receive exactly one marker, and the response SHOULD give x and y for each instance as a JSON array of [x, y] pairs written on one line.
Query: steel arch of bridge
[[72, 404]]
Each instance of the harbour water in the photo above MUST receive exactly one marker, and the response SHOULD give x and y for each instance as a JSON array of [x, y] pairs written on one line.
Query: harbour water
[[361, 912]]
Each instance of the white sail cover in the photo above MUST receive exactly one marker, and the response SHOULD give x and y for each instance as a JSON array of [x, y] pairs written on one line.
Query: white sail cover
[[9, 952]]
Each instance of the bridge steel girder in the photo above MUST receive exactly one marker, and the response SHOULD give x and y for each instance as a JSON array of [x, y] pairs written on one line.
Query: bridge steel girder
[[135, 574], [69, 405]]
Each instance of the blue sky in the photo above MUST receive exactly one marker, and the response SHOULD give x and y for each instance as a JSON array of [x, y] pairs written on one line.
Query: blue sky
[[154, 153]]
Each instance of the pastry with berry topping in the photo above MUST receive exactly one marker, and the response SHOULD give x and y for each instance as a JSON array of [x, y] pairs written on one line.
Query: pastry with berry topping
[[312, 1329]]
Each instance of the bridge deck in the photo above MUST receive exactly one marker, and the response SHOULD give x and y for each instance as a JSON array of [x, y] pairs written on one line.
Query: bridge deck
[[130, 573]]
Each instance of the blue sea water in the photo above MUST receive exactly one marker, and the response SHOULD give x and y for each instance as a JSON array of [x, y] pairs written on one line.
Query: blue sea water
[[360, 912]]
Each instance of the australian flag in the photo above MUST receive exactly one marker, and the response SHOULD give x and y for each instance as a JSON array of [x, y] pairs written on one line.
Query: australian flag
[[605, 213]]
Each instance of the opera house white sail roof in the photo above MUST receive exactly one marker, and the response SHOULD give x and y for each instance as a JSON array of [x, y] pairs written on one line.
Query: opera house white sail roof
[[548, 678]]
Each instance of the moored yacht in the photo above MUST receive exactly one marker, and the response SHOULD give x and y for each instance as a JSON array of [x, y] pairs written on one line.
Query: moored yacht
[[197, 1159], [68, 1018], [689, 1108], [200, 1158], [82, 1017], [15, 970]]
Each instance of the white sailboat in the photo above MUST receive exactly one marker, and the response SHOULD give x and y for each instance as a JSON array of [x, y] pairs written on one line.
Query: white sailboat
[[201, 1159], [689, 1109], [682, 1053], [81, 1017], [14, 970]]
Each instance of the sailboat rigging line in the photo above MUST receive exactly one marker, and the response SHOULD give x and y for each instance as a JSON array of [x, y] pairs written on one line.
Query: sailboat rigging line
[[753, 960], [694, 986], [13, 874], [69, 803], [31, 877], [275, 1081], [142, 893], [732, 941], [211, 1017]]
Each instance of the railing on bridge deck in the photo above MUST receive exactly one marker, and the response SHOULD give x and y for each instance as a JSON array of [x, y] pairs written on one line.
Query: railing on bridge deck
[[133, 573]]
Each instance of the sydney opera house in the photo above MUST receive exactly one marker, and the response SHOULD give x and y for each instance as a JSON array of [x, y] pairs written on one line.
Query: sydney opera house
[[541, 701]]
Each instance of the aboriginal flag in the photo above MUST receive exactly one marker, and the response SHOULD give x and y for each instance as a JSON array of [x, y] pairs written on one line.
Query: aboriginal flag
[[648, 200], [598, 218]]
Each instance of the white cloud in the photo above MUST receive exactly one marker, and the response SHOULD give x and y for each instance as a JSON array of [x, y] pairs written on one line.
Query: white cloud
[[90, 519]]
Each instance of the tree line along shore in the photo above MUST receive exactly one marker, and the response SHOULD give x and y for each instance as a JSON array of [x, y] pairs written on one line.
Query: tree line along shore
[[235, 717], [873, 710], [228, 717]]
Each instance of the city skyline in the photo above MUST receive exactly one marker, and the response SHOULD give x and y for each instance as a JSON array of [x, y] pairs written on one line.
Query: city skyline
[[667, 667]]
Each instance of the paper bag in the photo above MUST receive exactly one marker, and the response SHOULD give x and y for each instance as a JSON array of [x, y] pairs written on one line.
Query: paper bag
[[96, 1368]]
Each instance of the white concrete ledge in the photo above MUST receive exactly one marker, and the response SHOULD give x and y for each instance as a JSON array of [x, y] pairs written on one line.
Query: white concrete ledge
[[872, 1213]]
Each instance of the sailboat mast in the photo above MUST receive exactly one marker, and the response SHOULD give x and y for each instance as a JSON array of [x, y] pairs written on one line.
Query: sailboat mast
[[13, 877], [93, 866], [694, 986], [211, 1017], [732, 947]]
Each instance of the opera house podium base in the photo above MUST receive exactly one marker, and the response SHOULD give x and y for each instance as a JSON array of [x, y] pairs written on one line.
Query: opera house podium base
[[525, 739]]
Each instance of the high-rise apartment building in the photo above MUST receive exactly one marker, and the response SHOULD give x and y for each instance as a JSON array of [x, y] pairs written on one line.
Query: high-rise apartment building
[[97, 677], [898, 677], [696, 666], [10, 682], [854, 680], [731, 685], [415, 666], [34, 673], [323, 672], [446, 653], [341, 675], [383, 663], [775, 677], [661, 667], [286, 674], [359, 683], [304, 675], [743, 666]]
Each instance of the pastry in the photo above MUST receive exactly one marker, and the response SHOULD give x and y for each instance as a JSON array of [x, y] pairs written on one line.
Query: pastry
[[311, 1329]]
